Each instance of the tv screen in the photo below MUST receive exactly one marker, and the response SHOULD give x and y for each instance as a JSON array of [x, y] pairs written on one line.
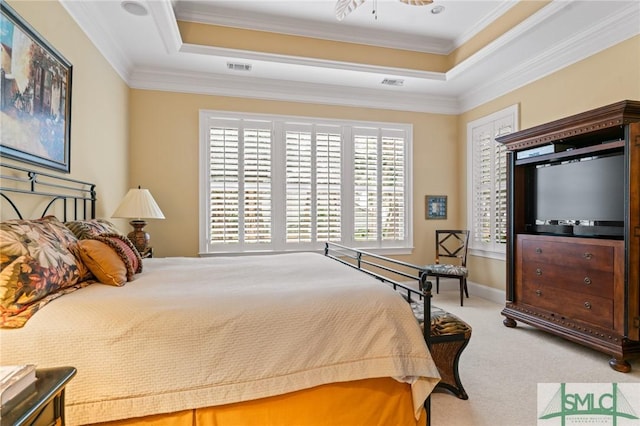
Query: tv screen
[[587, 190]]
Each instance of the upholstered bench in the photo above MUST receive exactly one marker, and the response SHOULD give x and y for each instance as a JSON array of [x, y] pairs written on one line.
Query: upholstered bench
[[449, 336]]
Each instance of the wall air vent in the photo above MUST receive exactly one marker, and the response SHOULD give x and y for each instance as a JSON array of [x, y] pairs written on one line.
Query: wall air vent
[[393, 82], [236, 66]]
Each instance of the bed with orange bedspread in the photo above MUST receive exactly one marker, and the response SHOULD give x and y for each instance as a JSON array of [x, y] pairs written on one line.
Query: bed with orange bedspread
[[273, 339]]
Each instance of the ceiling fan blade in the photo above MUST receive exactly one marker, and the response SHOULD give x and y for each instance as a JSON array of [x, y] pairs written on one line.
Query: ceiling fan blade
[[345, 7], [417, 2]]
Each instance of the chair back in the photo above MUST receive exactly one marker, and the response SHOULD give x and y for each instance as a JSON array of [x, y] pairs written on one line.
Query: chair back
[[450, 245]]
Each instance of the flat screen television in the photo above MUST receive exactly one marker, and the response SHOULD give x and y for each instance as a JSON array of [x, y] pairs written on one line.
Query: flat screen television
[[584, 197]]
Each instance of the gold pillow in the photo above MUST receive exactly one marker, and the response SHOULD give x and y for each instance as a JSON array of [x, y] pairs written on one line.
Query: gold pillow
[[103, 262]]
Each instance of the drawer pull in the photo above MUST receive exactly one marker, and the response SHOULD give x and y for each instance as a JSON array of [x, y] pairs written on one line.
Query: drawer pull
[[538, 250], [587, 280], [538, 293], [587, 256], [587, 305], [538, 271]]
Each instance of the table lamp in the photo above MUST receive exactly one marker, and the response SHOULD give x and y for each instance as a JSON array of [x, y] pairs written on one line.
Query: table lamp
[[138, 205]]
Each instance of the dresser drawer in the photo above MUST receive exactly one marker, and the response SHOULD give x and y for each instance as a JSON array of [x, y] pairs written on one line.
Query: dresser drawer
[[568, 255], [585, 307], [583, 281]]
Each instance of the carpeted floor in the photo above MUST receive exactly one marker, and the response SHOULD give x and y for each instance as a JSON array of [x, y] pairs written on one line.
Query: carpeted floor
[[501, 368]]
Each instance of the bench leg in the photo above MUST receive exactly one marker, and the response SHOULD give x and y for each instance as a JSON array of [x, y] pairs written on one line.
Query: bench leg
[[446, 355]]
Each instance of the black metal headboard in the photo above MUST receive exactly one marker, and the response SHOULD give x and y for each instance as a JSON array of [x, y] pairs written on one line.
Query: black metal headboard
[[73, 199]]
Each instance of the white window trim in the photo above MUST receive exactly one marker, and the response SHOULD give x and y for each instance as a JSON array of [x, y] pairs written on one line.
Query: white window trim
[[513, 112], [386, 248]]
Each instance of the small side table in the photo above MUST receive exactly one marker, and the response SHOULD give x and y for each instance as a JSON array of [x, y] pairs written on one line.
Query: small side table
[[46, 405]]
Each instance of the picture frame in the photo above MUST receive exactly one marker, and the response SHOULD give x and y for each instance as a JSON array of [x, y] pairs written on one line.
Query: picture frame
[[35, 100], [436, 206]]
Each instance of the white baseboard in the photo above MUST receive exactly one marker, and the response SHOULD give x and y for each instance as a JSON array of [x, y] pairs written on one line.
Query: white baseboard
[[475, 290], [489, 293]]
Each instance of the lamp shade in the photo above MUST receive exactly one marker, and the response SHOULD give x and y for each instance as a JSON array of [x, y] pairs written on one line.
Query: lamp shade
[[138, 204]]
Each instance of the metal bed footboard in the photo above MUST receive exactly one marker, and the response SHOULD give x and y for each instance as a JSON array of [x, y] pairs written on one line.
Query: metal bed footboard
[[377, 266]]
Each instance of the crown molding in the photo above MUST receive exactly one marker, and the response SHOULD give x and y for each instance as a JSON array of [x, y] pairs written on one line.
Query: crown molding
[[277, 90], [509, 37], [312, 62], [307, 28], [607, 33], [595, 38], [166, 24], [99, 36], [481, 25]]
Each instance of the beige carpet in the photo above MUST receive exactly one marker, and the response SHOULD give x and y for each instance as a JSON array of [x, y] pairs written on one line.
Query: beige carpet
[[501, 367]]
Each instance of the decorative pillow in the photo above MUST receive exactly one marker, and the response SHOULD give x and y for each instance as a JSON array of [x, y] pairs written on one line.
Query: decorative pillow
[[88, 228], [39, 261], [103, 261], [125, 250]]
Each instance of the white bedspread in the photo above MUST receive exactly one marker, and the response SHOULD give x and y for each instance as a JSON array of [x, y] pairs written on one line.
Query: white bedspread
[[196, 332]]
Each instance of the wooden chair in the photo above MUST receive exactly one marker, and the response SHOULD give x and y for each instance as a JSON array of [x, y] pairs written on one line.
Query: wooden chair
[[451, 259]]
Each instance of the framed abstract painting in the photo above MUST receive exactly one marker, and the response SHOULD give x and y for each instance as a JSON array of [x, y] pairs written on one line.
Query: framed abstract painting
[[35, 100]]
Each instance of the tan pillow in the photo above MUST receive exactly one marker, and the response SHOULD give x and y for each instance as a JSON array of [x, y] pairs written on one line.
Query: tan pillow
[[103, 262]]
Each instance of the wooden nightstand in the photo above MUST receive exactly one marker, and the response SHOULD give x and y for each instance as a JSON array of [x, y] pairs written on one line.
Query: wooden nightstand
[[43, 407]]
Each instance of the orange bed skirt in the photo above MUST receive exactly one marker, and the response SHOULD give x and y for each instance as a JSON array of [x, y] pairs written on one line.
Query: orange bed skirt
[[380, 401]]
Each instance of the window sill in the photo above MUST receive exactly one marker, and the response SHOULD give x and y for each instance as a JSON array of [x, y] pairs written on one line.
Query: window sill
[[385, 251], [498, 255]]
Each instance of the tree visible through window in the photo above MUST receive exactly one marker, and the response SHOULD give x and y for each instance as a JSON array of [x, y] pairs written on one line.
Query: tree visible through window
[[285, 183]]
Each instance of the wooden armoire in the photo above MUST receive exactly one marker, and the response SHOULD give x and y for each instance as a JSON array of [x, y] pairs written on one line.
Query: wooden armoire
[[573, 229]]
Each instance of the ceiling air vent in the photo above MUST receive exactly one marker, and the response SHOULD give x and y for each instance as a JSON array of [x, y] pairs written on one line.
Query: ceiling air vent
[[393, 82], [236, 66]]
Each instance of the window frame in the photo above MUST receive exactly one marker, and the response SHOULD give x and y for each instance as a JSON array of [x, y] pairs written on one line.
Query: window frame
[[279, 127], [492, 250]]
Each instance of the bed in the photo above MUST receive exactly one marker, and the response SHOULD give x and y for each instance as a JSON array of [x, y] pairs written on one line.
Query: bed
[[273, 339]]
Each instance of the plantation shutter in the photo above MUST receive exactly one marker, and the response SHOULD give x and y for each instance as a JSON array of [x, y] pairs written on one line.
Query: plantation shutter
[[482, 184], [299, 191], [488, 199], [240, 182], [329, 184], [502, 127], [379, 182], [224, 151], [257, 183], [365, 185], [393, 187], [273, 183], [313, 183]]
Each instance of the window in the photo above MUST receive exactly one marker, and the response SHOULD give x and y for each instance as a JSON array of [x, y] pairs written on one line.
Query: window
[[273, 183], [487, 182]]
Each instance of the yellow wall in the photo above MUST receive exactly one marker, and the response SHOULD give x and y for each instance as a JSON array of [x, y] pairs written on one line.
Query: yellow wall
[[99, 104], [610, 76], [163, 130], [165, 133], [164, 149]]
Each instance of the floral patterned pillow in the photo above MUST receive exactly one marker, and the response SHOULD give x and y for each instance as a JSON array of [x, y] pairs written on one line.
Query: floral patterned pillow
[[38, 262], [89, 228]]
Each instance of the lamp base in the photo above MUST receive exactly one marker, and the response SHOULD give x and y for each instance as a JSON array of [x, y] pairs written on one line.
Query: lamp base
[[138, 236]]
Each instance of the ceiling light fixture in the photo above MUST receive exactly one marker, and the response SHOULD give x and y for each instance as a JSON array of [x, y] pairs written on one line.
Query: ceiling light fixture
[[344, 7], [134, 7]]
